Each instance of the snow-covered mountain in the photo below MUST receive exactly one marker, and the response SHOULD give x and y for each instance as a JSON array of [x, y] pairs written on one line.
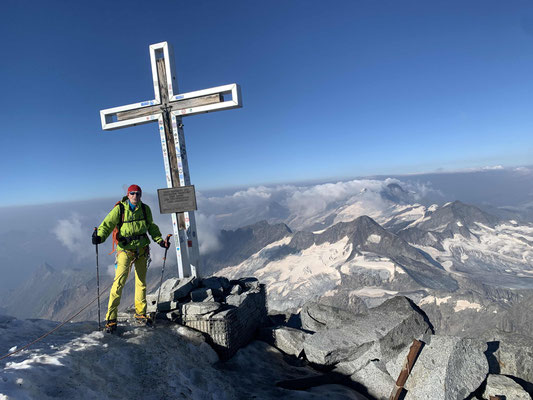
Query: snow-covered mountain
[[450, 259], [373, 242]]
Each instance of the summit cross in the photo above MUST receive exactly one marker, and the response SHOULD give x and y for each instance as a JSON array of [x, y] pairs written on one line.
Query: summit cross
[[167, 108]]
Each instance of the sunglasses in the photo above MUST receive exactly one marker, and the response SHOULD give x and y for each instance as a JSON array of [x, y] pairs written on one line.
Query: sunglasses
[[135, 193]]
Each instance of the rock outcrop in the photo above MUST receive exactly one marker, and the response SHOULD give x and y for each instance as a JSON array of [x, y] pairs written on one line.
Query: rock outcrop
[[371, 349], [448, 368], [500, 385]]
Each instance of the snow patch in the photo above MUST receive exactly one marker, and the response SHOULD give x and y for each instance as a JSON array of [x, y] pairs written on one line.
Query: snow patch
[[170, 362], [374, 238], [461, 305], [372, 292], [330, 293], [432, 299], [367, 261]]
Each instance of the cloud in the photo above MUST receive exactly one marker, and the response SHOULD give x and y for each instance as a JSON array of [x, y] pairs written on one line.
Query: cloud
[[421, 190], [310, 201], [208, 232], [294, 204], [523, 170], [74, 236], [110, 270]]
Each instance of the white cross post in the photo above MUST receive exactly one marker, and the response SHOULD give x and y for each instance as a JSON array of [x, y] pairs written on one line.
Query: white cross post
[[168, 108]]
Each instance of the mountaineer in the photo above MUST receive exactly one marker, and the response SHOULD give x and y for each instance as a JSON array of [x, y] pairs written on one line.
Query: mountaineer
[[129, 220]]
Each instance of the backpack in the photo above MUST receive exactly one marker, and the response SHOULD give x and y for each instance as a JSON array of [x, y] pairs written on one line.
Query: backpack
[[116, 232]]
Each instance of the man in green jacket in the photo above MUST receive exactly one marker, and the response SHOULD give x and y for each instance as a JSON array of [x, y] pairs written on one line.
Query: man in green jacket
[[133, 219]]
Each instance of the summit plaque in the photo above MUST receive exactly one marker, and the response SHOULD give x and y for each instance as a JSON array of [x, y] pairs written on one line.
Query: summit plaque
[[176, 200]]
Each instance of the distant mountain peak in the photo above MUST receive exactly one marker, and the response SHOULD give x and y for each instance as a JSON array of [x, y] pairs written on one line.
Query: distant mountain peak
[[44, 268], [395, 193]]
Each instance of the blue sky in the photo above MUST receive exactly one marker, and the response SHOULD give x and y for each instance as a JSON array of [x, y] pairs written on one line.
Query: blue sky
[[331, 90]]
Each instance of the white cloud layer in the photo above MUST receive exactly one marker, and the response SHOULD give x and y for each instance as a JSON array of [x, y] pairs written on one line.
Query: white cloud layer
[[71, 234], [208, 232], [296, 203]]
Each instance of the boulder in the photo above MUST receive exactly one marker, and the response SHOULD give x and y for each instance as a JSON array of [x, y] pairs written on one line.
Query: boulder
[[249, 283], [202, 294], [330, 346], [500, 385], [345, 300], [393, 325], [510, 354], [376, 380], [173, 289], [199, 308], [169, 284], [316, 317], [236, 289], [351, 367], [288, 340], [447, 368], [173, 316], [162, 306], [412, 324], [235, 299], [215, 284]]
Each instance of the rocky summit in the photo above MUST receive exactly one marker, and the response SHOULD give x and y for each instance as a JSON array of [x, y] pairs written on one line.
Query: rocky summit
[[370, 349]]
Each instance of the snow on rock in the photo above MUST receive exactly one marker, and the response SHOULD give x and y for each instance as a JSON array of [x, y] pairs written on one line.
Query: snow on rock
[[432, 299], [461, 305], [373, 292], [367, 261], [169, 362], [374, 238], [295, 278], [96, 365]]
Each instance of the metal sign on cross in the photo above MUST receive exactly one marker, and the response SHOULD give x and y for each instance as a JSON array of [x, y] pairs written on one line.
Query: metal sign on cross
[[167, 108]]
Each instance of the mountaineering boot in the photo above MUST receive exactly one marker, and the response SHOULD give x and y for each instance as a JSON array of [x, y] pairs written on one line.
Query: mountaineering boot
[[143, 319], [111, 326]]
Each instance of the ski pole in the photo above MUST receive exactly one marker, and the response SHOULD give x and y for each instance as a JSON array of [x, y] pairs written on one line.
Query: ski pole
[[97, 280], [161, 283]]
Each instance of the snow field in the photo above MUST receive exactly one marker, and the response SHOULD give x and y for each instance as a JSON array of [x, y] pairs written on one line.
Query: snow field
[[169, 362]]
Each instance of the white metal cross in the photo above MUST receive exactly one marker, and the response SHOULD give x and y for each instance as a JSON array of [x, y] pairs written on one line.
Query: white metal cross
[[167, 108]]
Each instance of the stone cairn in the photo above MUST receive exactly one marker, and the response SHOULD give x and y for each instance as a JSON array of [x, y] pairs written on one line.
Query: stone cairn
[[228, 312]]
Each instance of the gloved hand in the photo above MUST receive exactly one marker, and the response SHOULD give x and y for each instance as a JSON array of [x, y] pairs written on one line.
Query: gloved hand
[[164, 244], [96, 239]]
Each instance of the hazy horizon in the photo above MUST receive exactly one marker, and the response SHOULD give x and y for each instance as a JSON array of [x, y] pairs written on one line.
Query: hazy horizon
[[59, 233]]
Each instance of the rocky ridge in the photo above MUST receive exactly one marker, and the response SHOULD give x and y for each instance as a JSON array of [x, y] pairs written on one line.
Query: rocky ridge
[[370, 349]]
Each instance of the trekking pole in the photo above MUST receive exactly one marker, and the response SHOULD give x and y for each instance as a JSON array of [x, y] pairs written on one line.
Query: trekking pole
[[97, 281], [161, 283]]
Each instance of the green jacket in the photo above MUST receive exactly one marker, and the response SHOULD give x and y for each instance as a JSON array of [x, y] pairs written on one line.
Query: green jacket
[[135, 223]]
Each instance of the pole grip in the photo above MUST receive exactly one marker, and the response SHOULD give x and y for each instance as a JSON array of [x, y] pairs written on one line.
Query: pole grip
[[167, 240]]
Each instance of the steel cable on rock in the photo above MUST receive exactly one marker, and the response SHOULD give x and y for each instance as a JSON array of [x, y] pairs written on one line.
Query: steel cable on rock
[[69, 318]]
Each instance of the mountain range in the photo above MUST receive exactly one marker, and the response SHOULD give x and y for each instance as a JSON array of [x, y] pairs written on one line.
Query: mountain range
[[456, 261]]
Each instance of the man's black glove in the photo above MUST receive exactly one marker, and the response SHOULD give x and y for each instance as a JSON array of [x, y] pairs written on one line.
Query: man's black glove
[[164, 244], [96, 239]]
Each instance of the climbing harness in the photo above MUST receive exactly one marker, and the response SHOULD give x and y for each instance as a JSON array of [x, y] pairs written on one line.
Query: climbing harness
[[117, 238]]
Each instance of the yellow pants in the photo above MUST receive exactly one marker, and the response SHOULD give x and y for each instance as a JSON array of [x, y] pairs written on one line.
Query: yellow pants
[[125, 258]]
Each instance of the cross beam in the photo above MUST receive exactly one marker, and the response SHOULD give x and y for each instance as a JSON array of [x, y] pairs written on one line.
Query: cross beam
[[167, 108]]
